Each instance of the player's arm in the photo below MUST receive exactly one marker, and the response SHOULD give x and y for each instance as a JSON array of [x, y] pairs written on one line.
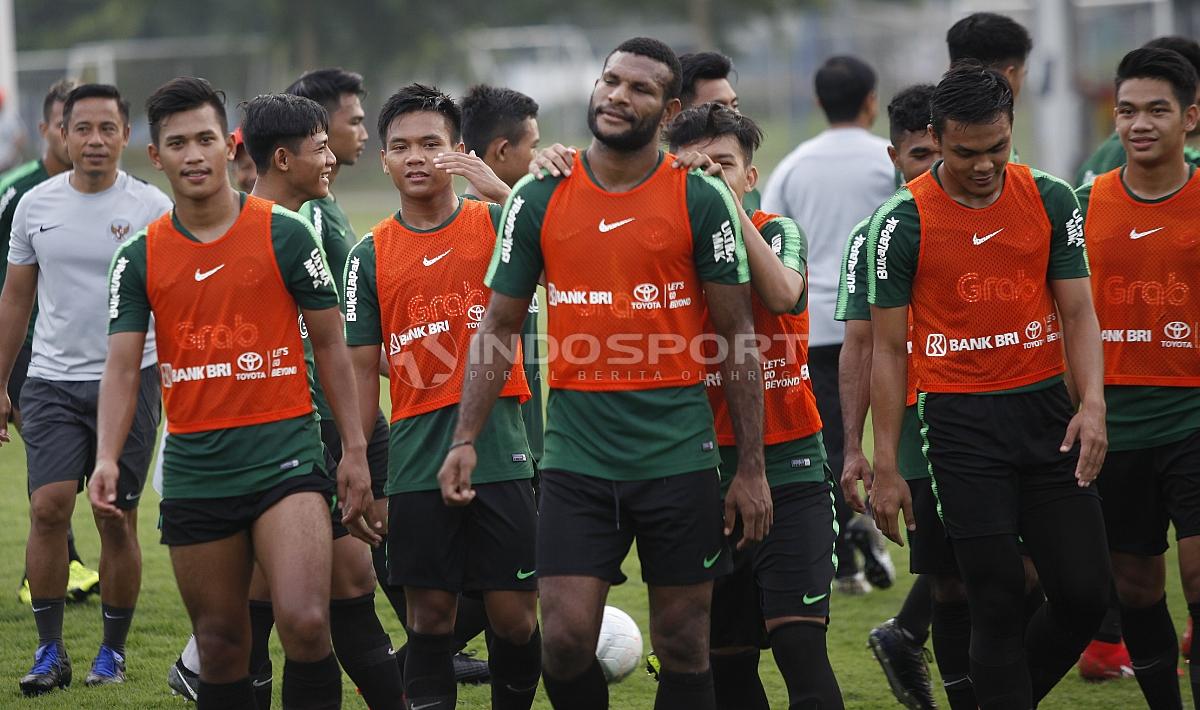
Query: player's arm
[[513, 276], [364, 332], [854, 365], [481, 179], [128, 321], [16, 305], [306, 274], [890, 272], [719, 253]]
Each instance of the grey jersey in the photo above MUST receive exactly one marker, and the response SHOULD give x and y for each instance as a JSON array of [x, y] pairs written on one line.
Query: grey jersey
[[71, 237]]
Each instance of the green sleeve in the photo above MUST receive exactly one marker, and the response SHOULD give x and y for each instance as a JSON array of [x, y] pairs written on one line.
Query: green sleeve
[[517, 262], [301, 260], [496, 211], [1068, 253], [1083, 193], [893, 247], [128, 303], [364, 325], [336, 248], [718, 249], [852, 282], [790, 244]]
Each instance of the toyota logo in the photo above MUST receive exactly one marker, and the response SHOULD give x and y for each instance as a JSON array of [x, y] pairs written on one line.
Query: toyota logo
[[250, 362], [646, 293], [475, 313], [935, 345], [1177, 330], [1033, 331]]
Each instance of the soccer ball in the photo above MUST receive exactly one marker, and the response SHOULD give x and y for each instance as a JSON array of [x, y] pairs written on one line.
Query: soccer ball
[[619, 649]]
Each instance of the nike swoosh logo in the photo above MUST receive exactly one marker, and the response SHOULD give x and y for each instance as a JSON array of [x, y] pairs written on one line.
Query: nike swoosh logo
[[200, 276], [977, 240], [132, 496], [1134, 234], [422, 706], [47, 228], [522, 574], [430, 262], [610, 227], [110, 616], [265, 681], [38, 611], [710, 561], [814, 600]]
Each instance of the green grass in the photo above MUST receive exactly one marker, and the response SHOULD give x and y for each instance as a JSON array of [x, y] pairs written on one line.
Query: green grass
[[161, 626]]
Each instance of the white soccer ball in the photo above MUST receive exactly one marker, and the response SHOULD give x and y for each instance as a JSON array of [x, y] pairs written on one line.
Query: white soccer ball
[[619, 648]]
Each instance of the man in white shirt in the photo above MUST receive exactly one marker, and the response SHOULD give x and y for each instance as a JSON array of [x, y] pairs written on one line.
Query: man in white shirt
[[64, 234], [826, 185]]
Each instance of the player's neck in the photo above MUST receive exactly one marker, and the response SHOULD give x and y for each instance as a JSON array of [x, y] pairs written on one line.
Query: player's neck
[[431, 211], [619, 170], [208, 218], [274, 187], [1152, 182], [53, 165], [91, 183]]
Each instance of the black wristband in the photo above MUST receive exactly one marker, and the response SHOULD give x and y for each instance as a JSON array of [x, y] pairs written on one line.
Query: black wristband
[[455, 445]]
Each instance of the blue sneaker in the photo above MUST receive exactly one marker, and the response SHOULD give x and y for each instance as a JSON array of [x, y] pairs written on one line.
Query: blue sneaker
[[51, 670], [109, 667]]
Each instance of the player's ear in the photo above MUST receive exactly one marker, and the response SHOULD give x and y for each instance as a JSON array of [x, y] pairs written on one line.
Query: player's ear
[[383, 161], [498, 148], [751, 177], [894, 155], [462, 148], [230, 148], [1191, 115], [152, 151], [937, 140], [279, 159], [125, 135], [674, 106]]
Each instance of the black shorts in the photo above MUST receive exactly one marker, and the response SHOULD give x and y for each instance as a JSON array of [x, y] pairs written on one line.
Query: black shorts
[[1144, 491], [17, 379], [995, 457], [377, 450], [58, 425], [930, 551], [586, 525], [487, 545], [191, 521], [788, 574]]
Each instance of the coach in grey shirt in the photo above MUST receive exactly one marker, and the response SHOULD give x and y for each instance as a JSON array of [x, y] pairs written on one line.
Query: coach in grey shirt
[[827, 185], [64, 235]]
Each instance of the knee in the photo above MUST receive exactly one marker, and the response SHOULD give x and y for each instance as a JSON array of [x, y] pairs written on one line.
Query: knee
[[224, 649], [948, 589], [307, 625], [567, 649], [682, 647], [432, 614], [118, 531], [49, 513], [516, 629]]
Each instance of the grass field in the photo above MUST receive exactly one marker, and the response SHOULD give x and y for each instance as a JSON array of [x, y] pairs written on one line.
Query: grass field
[[161, 626]]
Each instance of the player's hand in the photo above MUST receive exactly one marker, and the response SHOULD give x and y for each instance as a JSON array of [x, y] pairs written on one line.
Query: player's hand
[[750, 498], [380, 506], [855, 469], [102, 489], [695, 160], [455, 476], [5, 413], [481, 177], [889, 495], [354, 493], [1089, 428], [555, 160]]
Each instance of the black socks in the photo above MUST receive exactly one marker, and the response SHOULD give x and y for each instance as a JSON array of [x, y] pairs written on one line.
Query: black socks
[[586, 691], [312, 686], [429, 671], [736, 681], [365, 651], [515, 671]]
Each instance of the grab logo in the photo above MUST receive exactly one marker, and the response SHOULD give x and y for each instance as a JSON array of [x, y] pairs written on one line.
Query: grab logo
[[935, 345]]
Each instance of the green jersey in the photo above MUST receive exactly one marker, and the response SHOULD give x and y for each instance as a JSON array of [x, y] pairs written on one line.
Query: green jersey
[[1139, 416], [336, 235], [240, 460], [1068, 257], [1110, 155], [417, 442], [13, 185], [623, 434]]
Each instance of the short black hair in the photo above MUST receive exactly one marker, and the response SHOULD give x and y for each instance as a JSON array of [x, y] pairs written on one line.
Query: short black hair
[[843, 84], [418, 97], [56, 94], [94, 91], [710, 121], [273, 120], [970, 93], [908, 111], [658, 51], [988, 38], [328, 86], [1186, 46], [1163, 64], [181, 94], [489, 112], [697, 66]]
